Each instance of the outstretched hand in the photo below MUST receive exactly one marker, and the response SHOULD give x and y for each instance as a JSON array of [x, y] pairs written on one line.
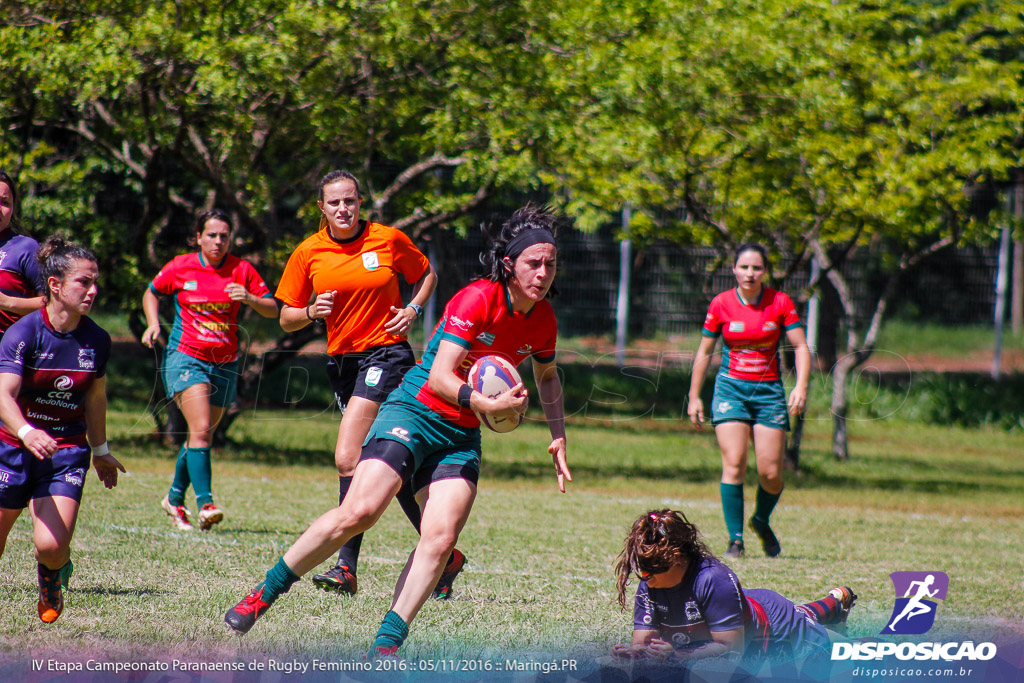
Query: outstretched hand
[[557, 451], [107, 467]]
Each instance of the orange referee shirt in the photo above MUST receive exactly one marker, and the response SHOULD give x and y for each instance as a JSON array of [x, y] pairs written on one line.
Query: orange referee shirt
[[364, 271]]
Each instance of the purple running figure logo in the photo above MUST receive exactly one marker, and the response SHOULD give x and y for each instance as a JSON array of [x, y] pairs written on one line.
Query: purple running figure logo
[[916, 596]]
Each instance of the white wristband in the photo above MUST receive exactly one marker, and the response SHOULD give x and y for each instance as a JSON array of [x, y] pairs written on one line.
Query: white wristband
[[25, 430], [102, 449]]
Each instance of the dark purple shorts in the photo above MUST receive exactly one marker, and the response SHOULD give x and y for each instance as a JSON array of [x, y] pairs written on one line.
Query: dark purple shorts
[[23, 477]]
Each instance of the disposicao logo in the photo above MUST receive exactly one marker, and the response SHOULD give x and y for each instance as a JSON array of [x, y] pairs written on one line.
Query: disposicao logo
[[914, 613], [917, 594]]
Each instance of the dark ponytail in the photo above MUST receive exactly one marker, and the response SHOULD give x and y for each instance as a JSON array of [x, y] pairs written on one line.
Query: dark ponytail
[[515, 232], [57, 257]]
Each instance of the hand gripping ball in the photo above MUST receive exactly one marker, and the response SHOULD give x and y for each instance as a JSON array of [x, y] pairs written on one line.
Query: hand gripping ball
[[492, 375]]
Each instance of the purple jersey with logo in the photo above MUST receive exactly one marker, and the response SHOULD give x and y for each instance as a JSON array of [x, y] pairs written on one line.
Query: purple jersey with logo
[[19, 271], [710, 598], [57, 369]]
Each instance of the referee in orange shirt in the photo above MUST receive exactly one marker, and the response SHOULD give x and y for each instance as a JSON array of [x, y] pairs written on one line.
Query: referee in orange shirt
[[347, 274]]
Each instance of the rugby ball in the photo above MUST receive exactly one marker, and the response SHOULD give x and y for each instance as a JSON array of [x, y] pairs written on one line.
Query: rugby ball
[[492, 375]]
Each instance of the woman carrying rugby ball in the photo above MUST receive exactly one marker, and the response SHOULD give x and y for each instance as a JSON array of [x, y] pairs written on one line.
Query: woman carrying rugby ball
[[504, 313]]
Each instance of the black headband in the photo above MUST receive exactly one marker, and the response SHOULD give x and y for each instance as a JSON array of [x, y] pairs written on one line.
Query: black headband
[[527, 238]]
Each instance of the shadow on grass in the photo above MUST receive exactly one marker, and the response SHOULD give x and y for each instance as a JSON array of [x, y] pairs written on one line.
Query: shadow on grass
[[583, 471], [115, 592], [33, 591], [966, 476]]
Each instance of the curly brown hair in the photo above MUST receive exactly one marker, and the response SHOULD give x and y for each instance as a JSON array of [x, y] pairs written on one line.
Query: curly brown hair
[[658, 541]]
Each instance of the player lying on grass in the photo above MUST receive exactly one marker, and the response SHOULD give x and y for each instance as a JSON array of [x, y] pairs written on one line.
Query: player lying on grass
[[690, 605], [427, 431]]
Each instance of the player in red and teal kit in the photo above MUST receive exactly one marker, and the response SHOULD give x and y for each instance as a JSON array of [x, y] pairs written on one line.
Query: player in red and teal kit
[[689, 605], [427, 433], [21, 286], [749, 399], [200, 368], [53, 406]]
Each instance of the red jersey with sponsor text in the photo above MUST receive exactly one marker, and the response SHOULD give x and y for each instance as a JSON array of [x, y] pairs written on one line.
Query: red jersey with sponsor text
[[750, 332], [205, 317]]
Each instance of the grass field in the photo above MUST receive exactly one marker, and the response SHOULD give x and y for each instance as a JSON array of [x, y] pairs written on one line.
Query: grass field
[[539, 576]]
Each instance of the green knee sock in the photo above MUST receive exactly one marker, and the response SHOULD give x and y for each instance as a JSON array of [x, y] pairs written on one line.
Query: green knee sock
[[732, 508], [765, 504], [198, 460], [279, 580], [392, 633], [176, 496]]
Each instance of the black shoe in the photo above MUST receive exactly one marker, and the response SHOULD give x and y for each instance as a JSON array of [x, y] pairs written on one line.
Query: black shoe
[[339, 579], [443, 589], [735, 549], [768, 540], [242, 616]]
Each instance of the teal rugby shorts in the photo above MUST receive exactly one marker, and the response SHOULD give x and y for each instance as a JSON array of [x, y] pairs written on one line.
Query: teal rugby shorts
[[439, 449], [739, 400], [182, 371]]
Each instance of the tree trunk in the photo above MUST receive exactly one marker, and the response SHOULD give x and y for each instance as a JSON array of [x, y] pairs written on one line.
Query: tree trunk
[[840, 440]]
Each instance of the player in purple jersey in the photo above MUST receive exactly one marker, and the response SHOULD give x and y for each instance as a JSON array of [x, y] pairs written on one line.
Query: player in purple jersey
[[439, 454], [749, 402], [200, 367], [53, 406], [20, 285], [689, 605]]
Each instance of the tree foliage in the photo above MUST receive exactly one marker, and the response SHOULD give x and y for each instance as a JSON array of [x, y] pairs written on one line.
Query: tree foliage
[[818, 127]]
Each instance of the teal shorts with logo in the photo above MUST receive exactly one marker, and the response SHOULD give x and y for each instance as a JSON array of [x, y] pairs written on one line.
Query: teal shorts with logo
[[182, 371], [739, 400], [439, 449]]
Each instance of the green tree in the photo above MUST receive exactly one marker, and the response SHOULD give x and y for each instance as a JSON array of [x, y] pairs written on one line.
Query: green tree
[[818, 128], [122, 119]]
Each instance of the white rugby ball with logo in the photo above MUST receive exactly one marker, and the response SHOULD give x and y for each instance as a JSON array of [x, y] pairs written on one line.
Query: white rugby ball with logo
[[493, 375]]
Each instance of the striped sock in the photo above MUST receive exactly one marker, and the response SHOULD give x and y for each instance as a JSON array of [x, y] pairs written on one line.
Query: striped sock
[[825, 611]]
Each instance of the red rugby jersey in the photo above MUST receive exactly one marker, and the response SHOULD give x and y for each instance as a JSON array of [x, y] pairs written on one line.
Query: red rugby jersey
[[480, 318], [205, 317], [750, 332]]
